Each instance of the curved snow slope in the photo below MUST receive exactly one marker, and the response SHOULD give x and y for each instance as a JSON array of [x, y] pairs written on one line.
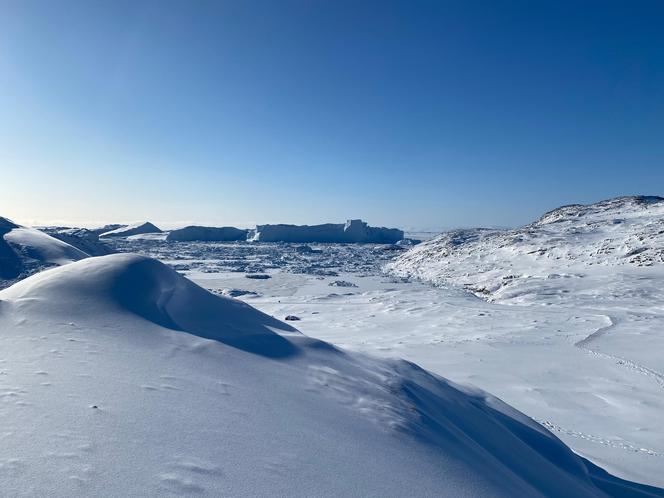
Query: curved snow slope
[[122, 378], [133, 229], [25, 250], [570, 242]]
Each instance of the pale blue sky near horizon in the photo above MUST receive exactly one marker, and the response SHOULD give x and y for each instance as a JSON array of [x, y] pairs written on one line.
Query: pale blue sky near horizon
[[416, 114]]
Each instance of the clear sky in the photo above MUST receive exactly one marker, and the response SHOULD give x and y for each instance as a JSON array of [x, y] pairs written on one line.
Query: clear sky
[[411, 114]]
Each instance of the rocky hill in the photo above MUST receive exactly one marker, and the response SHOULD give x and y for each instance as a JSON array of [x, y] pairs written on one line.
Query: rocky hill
[[574, 241]]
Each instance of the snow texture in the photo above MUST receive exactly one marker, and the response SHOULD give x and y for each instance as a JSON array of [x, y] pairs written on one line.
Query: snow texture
[[120, 377]]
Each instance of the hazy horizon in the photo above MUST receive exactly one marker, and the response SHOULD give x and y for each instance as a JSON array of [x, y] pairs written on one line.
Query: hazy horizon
[[173, 224]]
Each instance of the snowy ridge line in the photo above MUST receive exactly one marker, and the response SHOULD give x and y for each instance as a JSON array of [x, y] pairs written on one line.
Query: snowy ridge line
[[567, 243]]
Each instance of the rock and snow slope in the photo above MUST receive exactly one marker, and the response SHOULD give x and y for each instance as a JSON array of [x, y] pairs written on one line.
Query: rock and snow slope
[[25, 250], [597, 267], [571, 242], [122, 378]]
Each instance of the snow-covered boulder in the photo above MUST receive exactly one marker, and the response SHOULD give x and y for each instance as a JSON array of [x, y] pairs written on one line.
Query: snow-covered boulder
[[133, 229], [127, 379], [572, 242], [207, 234], [353, 231], [24, 251]]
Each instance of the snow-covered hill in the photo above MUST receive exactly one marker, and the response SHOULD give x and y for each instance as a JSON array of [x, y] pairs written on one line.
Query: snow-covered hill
[[24, 251], [119, 377], [572, 242]]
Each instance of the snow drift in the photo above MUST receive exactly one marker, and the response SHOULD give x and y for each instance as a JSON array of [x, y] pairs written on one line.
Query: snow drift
[[353, 231], [124, 378], [571, 242], [134, 229], [207, 234], [25, 250]]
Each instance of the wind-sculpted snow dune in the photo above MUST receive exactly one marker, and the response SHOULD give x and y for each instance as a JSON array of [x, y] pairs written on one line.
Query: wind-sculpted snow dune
[[570, 243], [122, 378], [24, 251]]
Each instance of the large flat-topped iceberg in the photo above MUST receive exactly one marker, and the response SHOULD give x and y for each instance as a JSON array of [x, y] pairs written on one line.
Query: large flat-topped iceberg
[[353, 231], [207, 234]]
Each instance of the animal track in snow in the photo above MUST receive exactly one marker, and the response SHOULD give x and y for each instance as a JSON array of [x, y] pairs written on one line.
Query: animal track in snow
[[623, 445]]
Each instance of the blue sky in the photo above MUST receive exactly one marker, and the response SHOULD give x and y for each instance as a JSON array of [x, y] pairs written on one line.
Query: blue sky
[[412, 114]]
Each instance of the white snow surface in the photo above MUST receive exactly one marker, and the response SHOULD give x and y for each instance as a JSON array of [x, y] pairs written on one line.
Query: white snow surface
[[120, 377]]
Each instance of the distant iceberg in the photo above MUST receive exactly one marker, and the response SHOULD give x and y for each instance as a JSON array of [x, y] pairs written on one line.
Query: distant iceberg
[[208, 234], [353, 231]]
